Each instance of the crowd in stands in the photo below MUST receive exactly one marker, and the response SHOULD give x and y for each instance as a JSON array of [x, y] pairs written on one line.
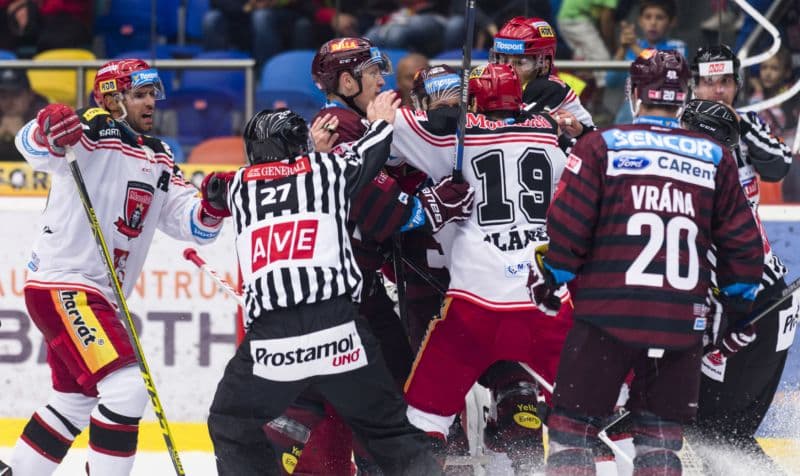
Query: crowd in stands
[[414, 32]]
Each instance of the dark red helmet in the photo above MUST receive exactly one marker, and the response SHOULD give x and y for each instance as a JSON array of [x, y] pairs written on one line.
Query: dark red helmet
[[434, 84], [122, 75], [353, 55], [525, 36], [660, 77], [495, 87]]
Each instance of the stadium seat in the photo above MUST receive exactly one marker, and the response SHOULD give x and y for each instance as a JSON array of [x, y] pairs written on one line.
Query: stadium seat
[[228, 81], [7, 55], [60, 85], [195, 11], [177, 150], [458, 54], [219, 150], [304, 104], [290, 72], [125, 26], [193, 115]]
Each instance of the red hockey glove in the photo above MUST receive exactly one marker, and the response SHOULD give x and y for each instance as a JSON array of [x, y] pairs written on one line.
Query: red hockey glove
[[542, 289], [59, 127], [446, 202], [214, 191]]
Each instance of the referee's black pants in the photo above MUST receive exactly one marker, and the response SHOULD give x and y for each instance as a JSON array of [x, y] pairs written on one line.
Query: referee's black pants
[[367, 398], [730, 412]]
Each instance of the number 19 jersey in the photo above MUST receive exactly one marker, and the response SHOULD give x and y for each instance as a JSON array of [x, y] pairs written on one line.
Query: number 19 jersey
[[514, 168]]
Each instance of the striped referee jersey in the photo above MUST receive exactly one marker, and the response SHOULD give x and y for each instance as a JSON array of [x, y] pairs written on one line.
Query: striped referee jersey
[[290, 219]]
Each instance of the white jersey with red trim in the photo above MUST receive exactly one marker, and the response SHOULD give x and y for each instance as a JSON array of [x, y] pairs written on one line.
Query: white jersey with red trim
[[555, 95], [514, 168], [134, 187]]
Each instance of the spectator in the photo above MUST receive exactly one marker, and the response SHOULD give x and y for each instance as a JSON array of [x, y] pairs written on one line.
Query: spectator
[[262, 27], [656, 19], [407, 68], [417, 25], [18, 105], [45, 24], [587, 26], [774, 77]]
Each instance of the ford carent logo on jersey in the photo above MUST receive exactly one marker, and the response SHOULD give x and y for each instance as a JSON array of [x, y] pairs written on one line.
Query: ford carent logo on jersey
[[631, 163], [330, 351], [513, 47]]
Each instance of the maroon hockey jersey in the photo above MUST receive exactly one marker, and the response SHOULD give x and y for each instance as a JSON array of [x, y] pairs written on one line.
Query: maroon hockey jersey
[[634, 216]]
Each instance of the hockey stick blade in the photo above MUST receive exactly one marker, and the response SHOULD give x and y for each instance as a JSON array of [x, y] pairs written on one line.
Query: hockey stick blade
[[785, 294]]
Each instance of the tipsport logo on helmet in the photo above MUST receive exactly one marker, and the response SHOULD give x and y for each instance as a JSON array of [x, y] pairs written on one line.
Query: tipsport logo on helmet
[[441, 83], [330, 351], [144, 78], [508, 46]]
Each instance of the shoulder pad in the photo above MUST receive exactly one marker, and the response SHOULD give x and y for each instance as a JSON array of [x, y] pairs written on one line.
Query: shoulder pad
[[156, 144], [100, 124]]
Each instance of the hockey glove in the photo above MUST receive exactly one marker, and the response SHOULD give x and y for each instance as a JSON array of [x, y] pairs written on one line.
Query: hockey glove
[[542, 288], [59, 127], [446, 202], [214, 191]]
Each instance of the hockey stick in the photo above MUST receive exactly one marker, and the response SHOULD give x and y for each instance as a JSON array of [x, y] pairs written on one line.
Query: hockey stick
[[427, 277], [400, 279], [191, 255], [466, 65], [785, 294], [123, 306]]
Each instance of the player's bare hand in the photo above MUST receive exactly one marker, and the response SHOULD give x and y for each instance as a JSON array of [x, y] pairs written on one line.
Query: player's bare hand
[[383, 107], [323, 132], [568, 123]]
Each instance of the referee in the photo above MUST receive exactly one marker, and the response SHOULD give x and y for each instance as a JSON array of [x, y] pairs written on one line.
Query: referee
[[301, 285]]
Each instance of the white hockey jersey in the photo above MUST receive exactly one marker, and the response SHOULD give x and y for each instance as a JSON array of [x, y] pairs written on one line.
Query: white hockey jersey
[[134, 187], [514, 169]]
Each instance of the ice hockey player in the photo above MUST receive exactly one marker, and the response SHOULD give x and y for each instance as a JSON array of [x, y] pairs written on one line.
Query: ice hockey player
[[350, 72], [303, 327], [529, 45], [633, 220], [136, 189], [512, 160], [737, 390]]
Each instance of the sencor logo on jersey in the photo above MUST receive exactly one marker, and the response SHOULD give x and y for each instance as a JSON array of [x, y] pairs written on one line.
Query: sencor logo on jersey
[[292, 240], [330, 351], [632, 163], [695, 147], [277, 170], [137, 202]]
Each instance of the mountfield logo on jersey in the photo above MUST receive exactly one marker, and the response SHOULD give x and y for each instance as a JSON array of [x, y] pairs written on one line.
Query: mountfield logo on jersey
[[329, 351], [633, 163], [292, 240]]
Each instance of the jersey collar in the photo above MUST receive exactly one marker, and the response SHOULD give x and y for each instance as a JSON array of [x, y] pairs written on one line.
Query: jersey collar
[[668, 122]]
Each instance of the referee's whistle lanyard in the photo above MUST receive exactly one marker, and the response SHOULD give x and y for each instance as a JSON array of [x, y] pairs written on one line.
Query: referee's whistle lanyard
[[668, 122]]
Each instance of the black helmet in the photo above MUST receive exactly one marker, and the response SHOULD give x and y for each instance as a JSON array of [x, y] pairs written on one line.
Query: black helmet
[[716, 59], [714, 119], [273, 135]]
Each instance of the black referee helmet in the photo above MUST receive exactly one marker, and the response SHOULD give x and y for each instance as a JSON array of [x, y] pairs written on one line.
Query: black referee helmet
[[273, 135]]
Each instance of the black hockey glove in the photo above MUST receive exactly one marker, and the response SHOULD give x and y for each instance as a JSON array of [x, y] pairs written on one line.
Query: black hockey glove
[[446, 202]]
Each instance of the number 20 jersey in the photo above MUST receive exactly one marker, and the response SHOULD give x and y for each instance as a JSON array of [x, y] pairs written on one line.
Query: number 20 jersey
[[514, 168], [634, 216]]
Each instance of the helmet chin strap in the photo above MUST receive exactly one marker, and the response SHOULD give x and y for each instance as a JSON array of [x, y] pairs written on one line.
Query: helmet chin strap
[[635, 106], [351, 100], [118, 98]]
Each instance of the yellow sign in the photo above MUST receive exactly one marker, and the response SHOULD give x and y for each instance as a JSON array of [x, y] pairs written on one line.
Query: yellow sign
[[344, 45], [527, 420], [18, 179], [546, 32], [95, 111], [108, 86]]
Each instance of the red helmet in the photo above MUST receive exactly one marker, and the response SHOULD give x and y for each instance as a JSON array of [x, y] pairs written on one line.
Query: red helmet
[[434, 83], [122, 75], [526, 36], [660, 77], [353, 55], [495, 87]]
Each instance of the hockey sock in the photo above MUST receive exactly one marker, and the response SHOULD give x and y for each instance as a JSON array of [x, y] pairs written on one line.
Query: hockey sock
[[49, 433], [657, 442], [114, 423], [571, 442]]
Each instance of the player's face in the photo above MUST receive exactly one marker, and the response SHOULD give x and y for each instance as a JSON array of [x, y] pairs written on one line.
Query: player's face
[[141, 104], [371, 83], [719, 87], [526, 67], [654, 22]]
